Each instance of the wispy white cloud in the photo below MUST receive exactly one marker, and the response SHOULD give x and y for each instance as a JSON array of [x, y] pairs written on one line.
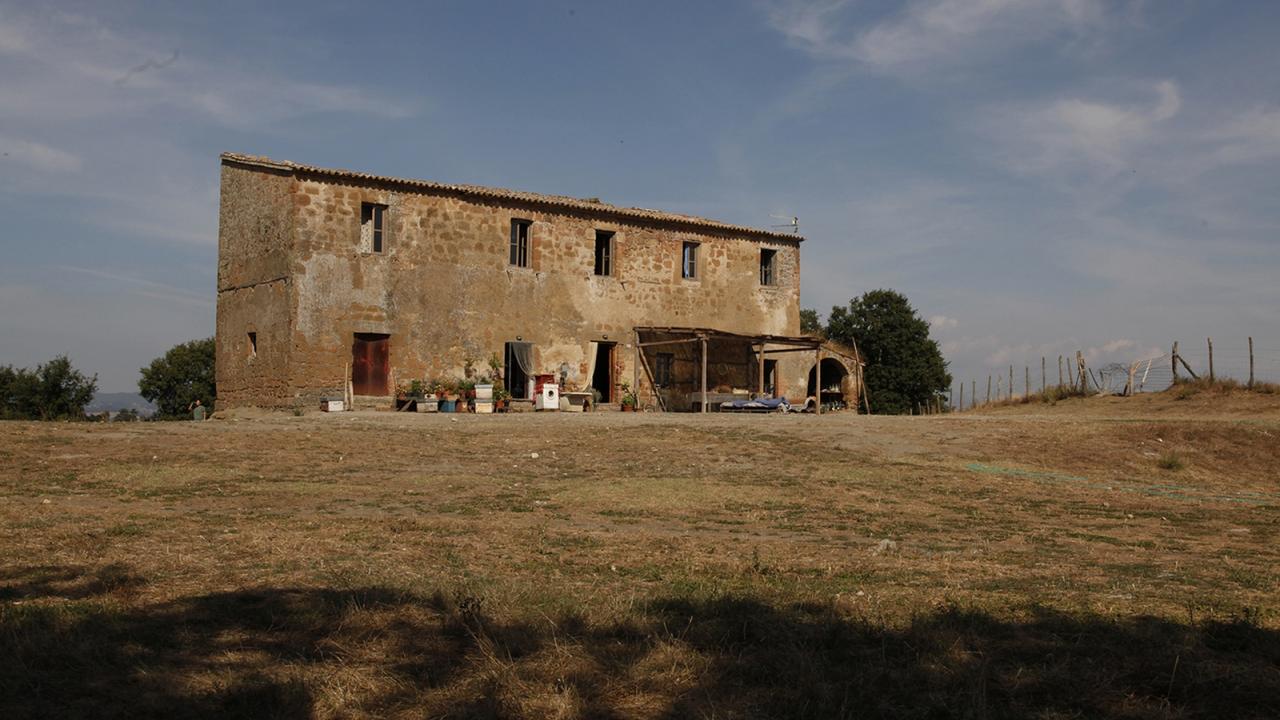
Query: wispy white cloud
[[931, 34], [12, 40], [38, 156], [143, 287], [942, 322], [1252, 136], [78, 67], [1077, 134]]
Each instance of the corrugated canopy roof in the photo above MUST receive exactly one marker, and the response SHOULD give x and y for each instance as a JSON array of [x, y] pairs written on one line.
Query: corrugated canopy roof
[[478, 191]]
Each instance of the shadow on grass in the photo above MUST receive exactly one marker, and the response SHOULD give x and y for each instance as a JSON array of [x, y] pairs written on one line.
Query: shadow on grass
[[300, 653]]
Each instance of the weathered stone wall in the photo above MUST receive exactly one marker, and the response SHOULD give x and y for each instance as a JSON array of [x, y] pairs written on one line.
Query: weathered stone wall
[[444, 291], [255, 239]]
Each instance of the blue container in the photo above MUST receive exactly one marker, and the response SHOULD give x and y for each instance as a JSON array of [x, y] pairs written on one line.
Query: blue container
[[447, 406]]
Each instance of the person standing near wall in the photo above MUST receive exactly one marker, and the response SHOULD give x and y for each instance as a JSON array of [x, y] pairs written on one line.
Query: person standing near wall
[[197, 411]]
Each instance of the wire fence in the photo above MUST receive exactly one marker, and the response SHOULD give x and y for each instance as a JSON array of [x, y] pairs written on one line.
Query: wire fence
[[1242, 361]]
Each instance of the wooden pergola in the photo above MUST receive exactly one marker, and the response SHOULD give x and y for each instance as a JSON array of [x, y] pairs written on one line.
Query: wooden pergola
[[761, 346]]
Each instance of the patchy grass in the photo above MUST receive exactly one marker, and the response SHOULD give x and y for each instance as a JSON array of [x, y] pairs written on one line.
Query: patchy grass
[[981, 565], [1187, 388], [1170, 461]]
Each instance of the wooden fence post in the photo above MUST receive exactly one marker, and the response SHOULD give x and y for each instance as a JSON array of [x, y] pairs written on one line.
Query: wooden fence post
[[1008, 393], [1059, 371], [973, 394], [1250, 363], [704, 376], [1174, 361], [1210, 340], [988, 390], [1026, 383], [961, 396], [1043, 381]]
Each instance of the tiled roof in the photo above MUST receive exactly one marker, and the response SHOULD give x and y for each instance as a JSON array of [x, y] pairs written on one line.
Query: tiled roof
[[478, 191]]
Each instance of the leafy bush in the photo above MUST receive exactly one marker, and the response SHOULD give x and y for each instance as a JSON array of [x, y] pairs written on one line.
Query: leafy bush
[[183, 375]]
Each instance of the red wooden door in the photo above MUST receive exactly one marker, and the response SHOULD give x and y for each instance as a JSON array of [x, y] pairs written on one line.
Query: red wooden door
[[369, 363]]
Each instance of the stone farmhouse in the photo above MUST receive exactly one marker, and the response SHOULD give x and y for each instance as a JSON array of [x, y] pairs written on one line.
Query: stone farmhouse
[[328, 277]]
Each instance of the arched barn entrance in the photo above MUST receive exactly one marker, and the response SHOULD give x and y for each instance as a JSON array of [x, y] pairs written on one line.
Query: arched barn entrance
[[836, 390]]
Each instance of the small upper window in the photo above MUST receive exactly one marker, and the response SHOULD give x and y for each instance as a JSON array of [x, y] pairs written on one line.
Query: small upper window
[[768, 258], [520, 242], [689, 261], [253, 345], [372, 227], [604, 253]]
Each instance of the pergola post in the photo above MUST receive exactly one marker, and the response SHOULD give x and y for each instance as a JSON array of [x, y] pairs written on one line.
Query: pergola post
[[817, 381], [635, 368], [704, 373]]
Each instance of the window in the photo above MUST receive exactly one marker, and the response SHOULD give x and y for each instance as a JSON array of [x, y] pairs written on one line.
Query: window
[[664, 370], [767, 258], [372, 227], [253, 345], [520, 242], [689, 261], [604, 252]]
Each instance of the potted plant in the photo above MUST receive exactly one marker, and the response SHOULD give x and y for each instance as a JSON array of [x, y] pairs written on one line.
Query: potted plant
[[423, 396], [484, 388], [402, 396], [629, 399], [500, 398], [466, 391], [448, 394]]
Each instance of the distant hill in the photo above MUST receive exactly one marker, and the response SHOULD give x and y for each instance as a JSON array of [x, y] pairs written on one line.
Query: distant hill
[[120, 401]]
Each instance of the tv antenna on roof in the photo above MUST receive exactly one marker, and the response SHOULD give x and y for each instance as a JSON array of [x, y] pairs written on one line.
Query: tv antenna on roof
[[794, 224]]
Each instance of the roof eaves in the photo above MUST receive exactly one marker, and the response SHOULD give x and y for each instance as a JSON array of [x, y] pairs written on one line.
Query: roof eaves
[[513, 195]]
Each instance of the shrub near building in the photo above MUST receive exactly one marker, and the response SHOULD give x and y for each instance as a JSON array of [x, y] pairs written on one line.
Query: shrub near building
[[905, 367], [181, 376]]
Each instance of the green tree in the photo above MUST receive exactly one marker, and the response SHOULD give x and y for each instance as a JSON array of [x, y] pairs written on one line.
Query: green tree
[[183, 375], [811, 323], [17, 393], [904, 365], [54, 391]]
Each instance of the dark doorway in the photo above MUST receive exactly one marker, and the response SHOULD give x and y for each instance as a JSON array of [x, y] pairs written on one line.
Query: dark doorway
[[370, 355], [602, 376], [771, 378], [833, 375], [517, 358]]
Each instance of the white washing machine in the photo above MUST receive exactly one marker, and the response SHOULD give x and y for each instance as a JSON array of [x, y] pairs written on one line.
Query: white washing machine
[[548, 398]]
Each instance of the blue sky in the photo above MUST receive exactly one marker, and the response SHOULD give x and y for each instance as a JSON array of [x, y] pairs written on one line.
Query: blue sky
[[1037, 176]]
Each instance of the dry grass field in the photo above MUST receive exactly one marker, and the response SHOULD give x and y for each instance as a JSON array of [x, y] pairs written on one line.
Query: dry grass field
[[1090, 558]]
